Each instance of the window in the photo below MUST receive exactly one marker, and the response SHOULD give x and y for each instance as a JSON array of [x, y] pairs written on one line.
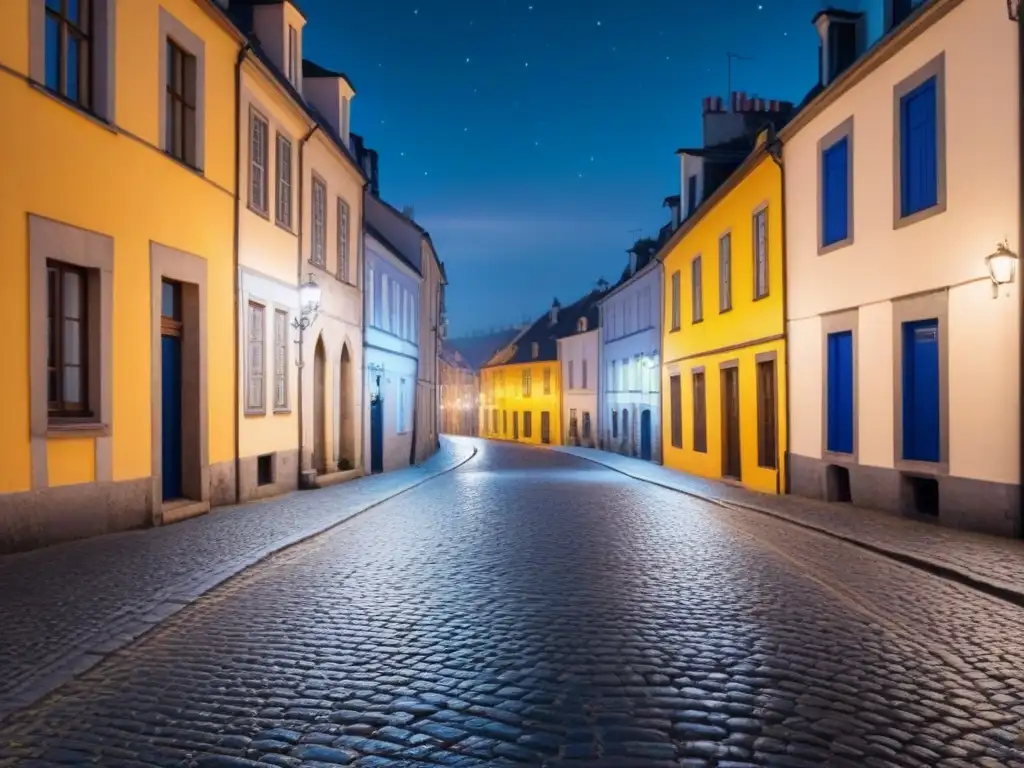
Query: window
[[615, 424], [624, 376], [613, 378], [527, 382], [919, 148], [547, 381], [494, 421], [766, 414], [573, 424], [504, 422], [675, 300], [317, 253], [280, 360], [259, 154], [691, 194], [68, 340], [725, 273], [284, 182], [343, 235], [586, 425], [697, 290], [68, 49], [293, 56], [572, 377], [761, 254], [583, 373], [385, 300], [181, 105], [700, 413], [581, 324], [527, 424], [534, 350], [676, 406], [374, 319], [400, 417], [835, 193], [255, 383]]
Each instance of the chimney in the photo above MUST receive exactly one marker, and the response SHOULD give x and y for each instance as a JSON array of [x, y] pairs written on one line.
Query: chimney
[[407, 211], [895, 12], [632, 261], [842, 34], [555, 306], [331, 94]]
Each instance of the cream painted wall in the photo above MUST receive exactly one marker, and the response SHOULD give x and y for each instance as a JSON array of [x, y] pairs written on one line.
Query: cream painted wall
[[944, 251]]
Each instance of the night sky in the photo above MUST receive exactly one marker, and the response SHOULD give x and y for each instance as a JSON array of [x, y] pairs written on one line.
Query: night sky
[[535, 139]]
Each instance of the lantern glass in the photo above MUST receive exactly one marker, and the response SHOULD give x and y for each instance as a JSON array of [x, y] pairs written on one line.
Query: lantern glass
[[1002, 265], [309, 296]]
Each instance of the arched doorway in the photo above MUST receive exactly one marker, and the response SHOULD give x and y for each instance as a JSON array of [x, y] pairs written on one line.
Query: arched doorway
[[319, 388], [346, 430]]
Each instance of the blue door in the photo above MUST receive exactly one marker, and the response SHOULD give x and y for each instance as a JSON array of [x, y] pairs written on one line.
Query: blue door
[[840, 392], [645, 435], [921, 390], [377, 434], [171, 416]]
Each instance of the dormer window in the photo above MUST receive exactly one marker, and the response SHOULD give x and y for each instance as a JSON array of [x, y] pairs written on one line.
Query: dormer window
[[293, 56], [535, 350], [581, 324], [632, 262]]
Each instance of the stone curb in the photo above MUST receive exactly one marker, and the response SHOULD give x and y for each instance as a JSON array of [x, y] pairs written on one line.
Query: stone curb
[[971, 579], [174, 598]]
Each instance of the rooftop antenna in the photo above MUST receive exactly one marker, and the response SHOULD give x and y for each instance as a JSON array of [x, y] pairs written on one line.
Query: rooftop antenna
[[729, 59]]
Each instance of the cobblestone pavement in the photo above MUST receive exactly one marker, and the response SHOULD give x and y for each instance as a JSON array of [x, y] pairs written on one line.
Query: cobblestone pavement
[[65, 607], [534, 608], [990, 560]]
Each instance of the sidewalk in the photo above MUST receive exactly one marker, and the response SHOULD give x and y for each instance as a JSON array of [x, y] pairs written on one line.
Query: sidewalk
[[66, 607], [988, 562]]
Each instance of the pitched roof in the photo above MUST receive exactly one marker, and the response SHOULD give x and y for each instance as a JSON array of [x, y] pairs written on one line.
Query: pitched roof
[[477, 350], [294, 3], [312, 69], [451, 356], [546, 334], [376, 235]]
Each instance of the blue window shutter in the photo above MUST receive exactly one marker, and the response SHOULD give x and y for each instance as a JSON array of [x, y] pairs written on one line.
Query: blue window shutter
[[919, 152], [840, 382], [836, 169]]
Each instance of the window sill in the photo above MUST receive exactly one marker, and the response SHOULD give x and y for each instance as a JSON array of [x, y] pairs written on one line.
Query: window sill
[[761, 298], [697, 322], [188, 167], [74, 106], [282, 411], [261, 213], [287, 227], [724, 311], [906, 220], [73, 429], [252, 413], [826, 248], [316, 264]]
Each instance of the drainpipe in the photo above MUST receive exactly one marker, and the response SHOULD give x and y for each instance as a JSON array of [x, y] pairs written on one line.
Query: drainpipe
[[302, 183], [242, 53], [1020, 241], [774, 148], [363, 372]]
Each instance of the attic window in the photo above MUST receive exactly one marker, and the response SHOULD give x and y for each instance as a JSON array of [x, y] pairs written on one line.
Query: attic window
[[581, 324], [535, 350]]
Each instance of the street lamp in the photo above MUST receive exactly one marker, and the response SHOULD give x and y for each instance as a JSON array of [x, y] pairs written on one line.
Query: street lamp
[[1002, 267], [1013, 9], [309, 305]]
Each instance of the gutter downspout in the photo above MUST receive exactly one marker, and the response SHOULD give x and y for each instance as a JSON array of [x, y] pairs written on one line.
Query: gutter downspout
[[783, 484], [363, 371], [661, 364], [242, 53], [302, 184]]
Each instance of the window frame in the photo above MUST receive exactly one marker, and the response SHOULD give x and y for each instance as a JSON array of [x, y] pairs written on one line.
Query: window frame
[[700, 409], [344, 227], [527, 382], [547, 380], [725, 272], [281, 374], [252, 407], [675, 388], [767, 419], [935, 68], [318, 229], [760, 291], [696, 290], [258, 121], [84, 33], [284, 182], [58, 408], [676, 305], [827, 143]]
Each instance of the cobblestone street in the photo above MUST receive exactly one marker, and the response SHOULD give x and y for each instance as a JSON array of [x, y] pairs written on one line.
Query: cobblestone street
[[532, 607]]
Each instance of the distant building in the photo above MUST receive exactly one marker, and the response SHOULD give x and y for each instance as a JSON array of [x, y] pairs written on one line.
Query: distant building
[[459, 392], [578, 354]]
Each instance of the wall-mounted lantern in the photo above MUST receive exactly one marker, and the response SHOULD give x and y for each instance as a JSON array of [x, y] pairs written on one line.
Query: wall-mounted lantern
[[309, 298], [1002, 267], [1013, 9]]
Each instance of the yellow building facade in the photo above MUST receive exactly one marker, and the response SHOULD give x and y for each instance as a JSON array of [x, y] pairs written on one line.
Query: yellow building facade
[[521, 402], [724, 357], [117, 293]]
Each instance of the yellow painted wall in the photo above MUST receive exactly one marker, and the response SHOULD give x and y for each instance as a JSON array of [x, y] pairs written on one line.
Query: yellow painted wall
[[509, 397], [749, 328], [61, 164]]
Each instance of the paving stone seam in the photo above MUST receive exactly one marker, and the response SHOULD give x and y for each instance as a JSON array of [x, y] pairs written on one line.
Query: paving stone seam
[[142, 618], [943, 570]]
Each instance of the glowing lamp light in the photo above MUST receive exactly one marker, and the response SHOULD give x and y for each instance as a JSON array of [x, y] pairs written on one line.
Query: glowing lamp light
[[1002, 267], [309, 296]]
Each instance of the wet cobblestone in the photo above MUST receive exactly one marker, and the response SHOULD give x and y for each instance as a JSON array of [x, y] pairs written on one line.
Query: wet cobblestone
[[531, 608]]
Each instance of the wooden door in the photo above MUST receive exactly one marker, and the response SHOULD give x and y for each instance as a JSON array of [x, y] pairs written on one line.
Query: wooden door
[[731, 423]]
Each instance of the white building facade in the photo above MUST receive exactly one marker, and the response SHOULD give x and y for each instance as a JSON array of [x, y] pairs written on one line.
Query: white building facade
[[578, 356], [630, 360], [391, 352], [904, 356]]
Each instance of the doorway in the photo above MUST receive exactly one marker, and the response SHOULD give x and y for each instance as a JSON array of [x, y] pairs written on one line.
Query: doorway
[[731, 464], [171, 390], [545, 427], [921, 435], [645, 435], [319, 387], [346, 432], [515, 425]]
